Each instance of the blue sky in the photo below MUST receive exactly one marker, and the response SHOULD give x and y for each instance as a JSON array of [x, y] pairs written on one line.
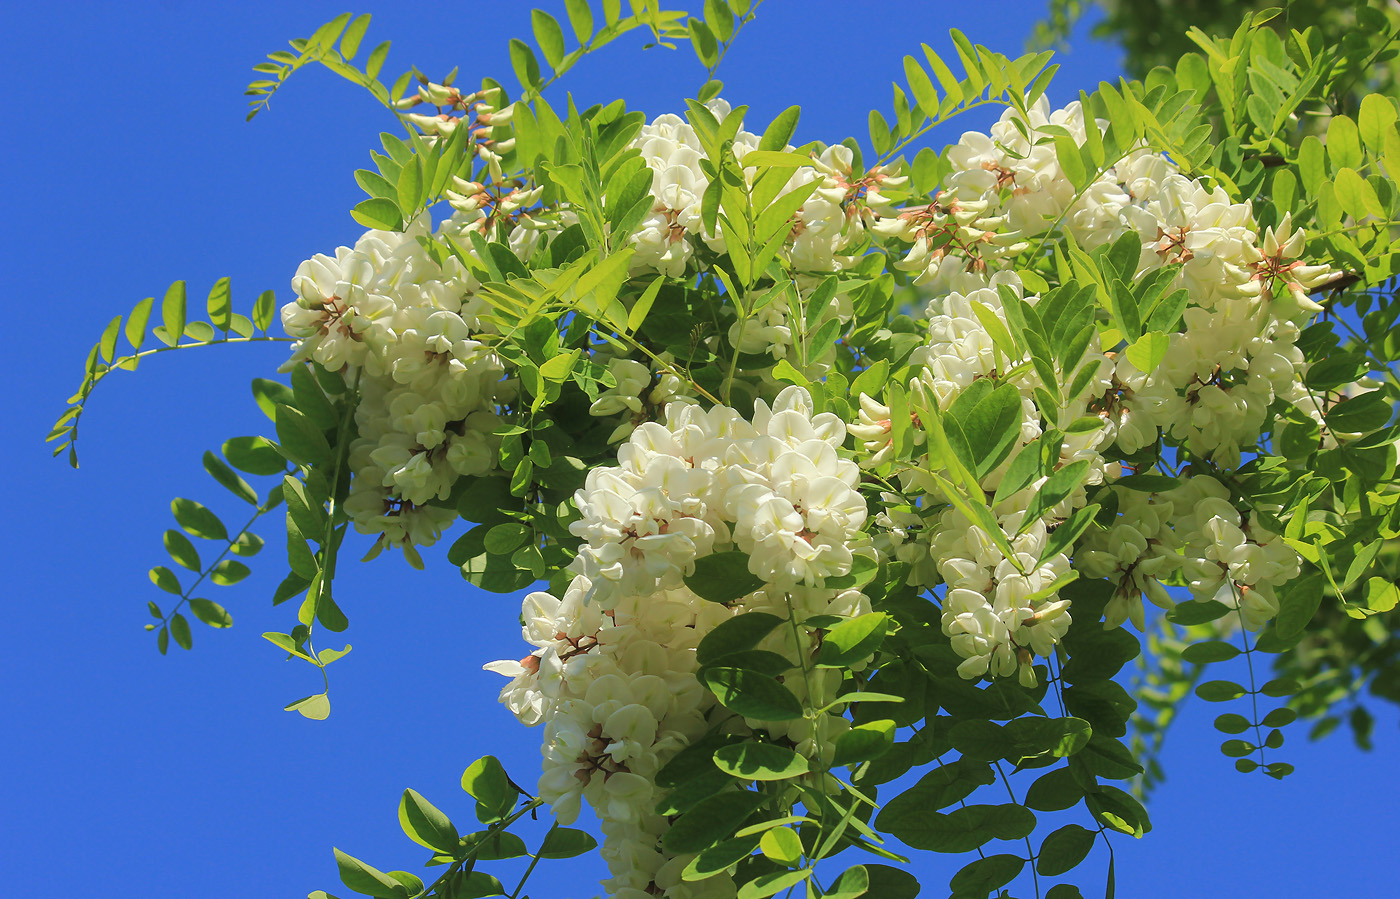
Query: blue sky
[[128, 165]]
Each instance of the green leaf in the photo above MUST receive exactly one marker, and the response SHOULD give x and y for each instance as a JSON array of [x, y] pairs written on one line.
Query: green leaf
[[1360, 414], [107, 344], [852, 641], [967, 828], [180, 630], [580, 19], [269, 393], [780, 130], [760, 761], [172, 310], [197, 520], [772, 883], [485, 780], [255, 455], [182, 550], [723, 577], [1071, 162], [410, 187], [1054, 791], [379, 213], [229, 572], [1343, 143], [263, 310], [781, 845], [301, 441], [879, 133], [711, 820], [940, 788], [863, 743], [1231, 723], [166, 580], [1220, 691], [1357, 197], [886, 882], [1376, 117], [735, 635], [638, 315], [136, 323], [986, 874], [548, 35], [229, 479], [211, 613], [1198, 611], [425, 825], [1118, 810], [1209, 651], [524, 64], [752, 694], [1381, 595], [720, 19], [1055, 490], [1148, 351], [702, 39], [363, 878], [991, 422], [1064, 849], [220, 305], [350, 41], [565, 842]]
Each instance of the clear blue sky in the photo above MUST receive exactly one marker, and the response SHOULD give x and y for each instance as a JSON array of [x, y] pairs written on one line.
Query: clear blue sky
[[127, 164]]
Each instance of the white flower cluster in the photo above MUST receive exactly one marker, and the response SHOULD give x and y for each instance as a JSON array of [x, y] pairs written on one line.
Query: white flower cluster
[[1235, 354], [614, 676], [404, 329], [831, 223]]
